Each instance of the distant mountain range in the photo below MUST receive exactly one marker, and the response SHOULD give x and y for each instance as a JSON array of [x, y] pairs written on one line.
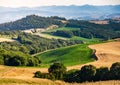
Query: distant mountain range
[[85, 12]]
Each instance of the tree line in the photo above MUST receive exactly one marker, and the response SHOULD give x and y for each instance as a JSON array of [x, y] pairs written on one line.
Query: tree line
[[32, 21], [17, 58], [90, 30], [31, 44], [57, 71]]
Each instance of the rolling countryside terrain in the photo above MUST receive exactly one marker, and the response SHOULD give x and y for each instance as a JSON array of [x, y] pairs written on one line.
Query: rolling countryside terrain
[[69, 56], [75, 48], [24, 75]]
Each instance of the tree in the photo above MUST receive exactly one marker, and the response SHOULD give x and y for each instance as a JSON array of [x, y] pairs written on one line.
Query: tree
[[87, 73], [37, 74], [72, 76], [57, 69], [115, 70], [102, 73]]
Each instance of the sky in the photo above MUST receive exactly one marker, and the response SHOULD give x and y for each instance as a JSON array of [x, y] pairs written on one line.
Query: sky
[[36, 3]]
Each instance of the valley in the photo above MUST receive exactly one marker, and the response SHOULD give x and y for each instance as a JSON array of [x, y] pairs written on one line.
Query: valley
[[35, 43], [107, 53]]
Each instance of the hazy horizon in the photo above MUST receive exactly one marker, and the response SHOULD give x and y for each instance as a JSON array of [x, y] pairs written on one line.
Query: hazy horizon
[[37, 3]]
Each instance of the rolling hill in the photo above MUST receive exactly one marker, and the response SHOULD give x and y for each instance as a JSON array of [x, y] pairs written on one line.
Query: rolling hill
[[31, 22], [85, 12], [23, 75], [69, 56]]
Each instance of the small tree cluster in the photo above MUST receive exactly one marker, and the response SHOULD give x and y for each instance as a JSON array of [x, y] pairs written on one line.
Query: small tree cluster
[[57, 71], [91, 73], [12, 58]]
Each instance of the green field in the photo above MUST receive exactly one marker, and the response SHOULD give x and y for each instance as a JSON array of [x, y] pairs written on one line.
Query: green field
[[73, 38], [72, 55], [63, 28], [85, 39]]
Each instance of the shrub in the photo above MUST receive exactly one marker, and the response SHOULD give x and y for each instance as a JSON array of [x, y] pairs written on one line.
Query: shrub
[[33, 61], [72, 76], [87, 73], [102, 74], [37, 74], [115, 70], [57, 69]]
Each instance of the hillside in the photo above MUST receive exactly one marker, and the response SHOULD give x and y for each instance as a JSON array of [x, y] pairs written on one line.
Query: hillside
[[84, 12], [107, 53], [31, 22], [69, 56], [24, 76], [72, 27]]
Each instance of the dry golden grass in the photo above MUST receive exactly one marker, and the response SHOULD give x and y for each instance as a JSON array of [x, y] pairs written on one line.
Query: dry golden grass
[[36, 81], [107, 54], [6, 40]]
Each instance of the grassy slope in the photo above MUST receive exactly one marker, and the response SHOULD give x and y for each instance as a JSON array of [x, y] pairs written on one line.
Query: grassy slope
[[73, 38], [63, 28], [72, 55]]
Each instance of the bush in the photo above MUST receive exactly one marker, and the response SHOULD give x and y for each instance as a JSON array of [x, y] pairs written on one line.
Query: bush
[[58, 70], [115, 70], [12, 58], [37, 74], [87, 73], [63, 33], [1, 60], [72, 76], [33, 61], [15, 58], [102, 73]]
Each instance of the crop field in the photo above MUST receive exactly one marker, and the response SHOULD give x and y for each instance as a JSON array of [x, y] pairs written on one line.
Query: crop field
[[63, 28], [69, 56]]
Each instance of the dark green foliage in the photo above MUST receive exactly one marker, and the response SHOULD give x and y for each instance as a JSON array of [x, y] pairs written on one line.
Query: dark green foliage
[[91, 30], [35, 44], [72, 76], [17, 61], [1, 60], [63, 33], [31, 44], [32, 21], [115, 70], [33, 61], [37, 74], [102, 74], [16, 58], [58, 70], [57, 67], [87, 73]]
